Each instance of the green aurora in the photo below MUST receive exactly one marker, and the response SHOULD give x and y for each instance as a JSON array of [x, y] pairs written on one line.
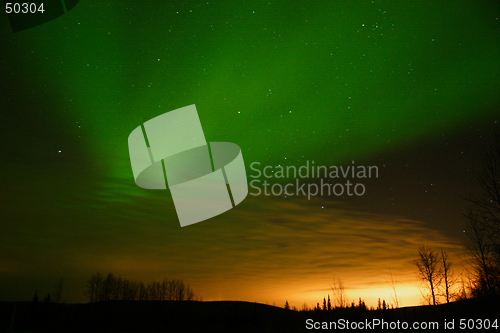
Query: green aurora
[[289, 82]]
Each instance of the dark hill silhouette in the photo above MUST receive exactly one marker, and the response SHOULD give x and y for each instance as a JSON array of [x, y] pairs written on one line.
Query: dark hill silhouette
[[218, 316], [146, 316]]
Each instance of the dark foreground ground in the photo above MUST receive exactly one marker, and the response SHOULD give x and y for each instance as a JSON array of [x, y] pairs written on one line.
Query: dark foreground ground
[[226, 316]]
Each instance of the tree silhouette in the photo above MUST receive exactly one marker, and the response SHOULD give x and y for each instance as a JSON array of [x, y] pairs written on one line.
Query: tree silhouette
[[339, 295], [58, 290], [93, 288], [448, 282], [483, 224], [482, 256], [392, 284], [429, 272], [463, 289], [362, 304], [305, 307], [287, 306]]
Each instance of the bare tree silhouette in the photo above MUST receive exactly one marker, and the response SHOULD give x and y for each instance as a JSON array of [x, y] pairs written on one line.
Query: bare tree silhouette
[[339, 295], [483, 224], [304, 307], [428, 269], [482, 256], [392, 285], [94, 284], [58, 290], [448, 280]]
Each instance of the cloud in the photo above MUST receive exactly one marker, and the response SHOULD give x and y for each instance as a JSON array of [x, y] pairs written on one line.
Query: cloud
[[265, 249]]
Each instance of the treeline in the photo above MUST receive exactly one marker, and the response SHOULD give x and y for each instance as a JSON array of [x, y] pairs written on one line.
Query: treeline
[[339, 301], [109, 287], [328, 306]]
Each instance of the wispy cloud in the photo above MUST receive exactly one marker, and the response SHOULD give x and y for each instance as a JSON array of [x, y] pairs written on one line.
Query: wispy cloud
[[266, 249]]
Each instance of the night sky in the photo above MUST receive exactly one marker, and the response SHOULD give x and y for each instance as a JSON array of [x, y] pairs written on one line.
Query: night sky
[[409, 87]]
